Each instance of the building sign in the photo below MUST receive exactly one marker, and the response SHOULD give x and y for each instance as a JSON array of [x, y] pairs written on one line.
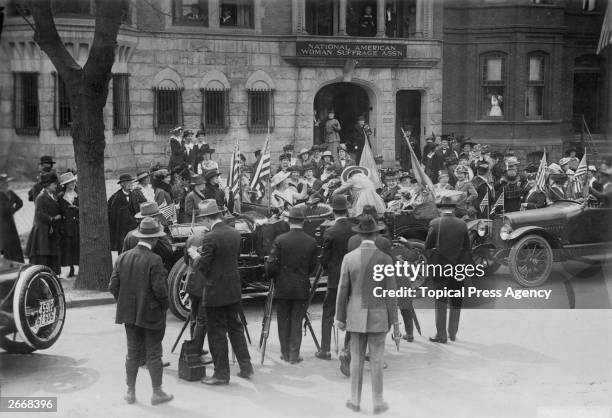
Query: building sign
[[349, 50]]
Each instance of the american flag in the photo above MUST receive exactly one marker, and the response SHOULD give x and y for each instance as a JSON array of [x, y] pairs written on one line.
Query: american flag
[[169, 212], [233, 180], [484, 205], [605, 38], [580, 177], [541, 175], [263, 168], [498, 203]]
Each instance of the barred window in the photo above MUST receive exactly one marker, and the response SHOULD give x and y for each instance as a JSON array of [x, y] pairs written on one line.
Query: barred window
[[493, 85], [63, 113], [261, 111], [121, 103], [215, 108], [25, 103], [190, 12], [534, 91], [237, 13], [168, 109]]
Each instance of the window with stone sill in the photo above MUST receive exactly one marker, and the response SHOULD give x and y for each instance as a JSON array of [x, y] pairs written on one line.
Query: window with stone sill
[[535, 88], [493, 85], [190, 12], [25, 103], [168, 107], [121, 104], [236, 13], [261, 111], [62, 119], [215, 109]]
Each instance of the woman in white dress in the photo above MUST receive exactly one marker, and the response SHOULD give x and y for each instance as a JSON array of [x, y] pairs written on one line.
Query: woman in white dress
[[356, 180], [496, 101], [283, 195]]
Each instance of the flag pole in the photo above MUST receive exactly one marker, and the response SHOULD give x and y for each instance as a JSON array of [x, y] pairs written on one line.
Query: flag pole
[[270, 174], [237, 152]]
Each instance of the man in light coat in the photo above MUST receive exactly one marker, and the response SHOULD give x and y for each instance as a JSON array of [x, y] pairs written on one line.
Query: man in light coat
[[366, 312]]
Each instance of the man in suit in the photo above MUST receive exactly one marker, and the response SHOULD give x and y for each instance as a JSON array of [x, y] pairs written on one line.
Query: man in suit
[[121, 212], [335, 241], [447, 243], [45, 166], [484, 190], [292, 261], [365, 312], [532, 198], [138, 283], [217, 261]]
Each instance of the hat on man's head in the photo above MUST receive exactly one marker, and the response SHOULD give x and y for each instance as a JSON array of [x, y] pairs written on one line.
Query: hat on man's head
[[46, 159], [209, 174], [125, 177], [296, 214], [339, 202], [147, 209], [149, 228], [367, 225], [142, 175], [447, 202], [66, 178], [208, 207], [4, 178]]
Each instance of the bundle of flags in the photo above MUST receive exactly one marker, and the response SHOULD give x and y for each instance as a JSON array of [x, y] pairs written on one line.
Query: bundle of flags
[[578, 187], [262, 173], [541, 175], [484, 204], [169, 212]]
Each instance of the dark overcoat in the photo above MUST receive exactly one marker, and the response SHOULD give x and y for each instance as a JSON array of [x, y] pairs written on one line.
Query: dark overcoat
[[120, 218], [335, 242], [69, 241], [9, 238], [138, 283], [44, 236]]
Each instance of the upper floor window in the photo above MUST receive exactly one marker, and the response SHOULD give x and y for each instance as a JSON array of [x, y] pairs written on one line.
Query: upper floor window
[[121, 103], [190, 12], [534, 90], [320, 17], [361, 18], [237, 13], [493, 84], [25, 103], [63, 112]]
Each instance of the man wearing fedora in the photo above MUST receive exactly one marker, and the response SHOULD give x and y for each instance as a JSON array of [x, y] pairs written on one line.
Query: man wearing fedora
[[217, 261], [193, 199], [10, 246], [138, 283], [45, 166], [292, 261], [335, 241], [121, 212], [447, 243], [365, 316], [43, 242]]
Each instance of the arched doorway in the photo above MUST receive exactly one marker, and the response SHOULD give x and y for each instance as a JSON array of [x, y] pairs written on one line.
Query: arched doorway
[[348, 100]]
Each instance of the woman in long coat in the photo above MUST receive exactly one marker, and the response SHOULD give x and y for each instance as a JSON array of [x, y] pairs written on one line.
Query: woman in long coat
[[10, 203], [43, 242], [69, 209]]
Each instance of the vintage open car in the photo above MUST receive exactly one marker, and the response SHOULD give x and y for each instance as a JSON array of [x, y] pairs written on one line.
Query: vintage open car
[[530, 241], [32, 307]]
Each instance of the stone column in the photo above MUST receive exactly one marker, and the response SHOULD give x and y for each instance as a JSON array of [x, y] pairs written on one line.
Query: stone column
[[302, 16], [418, 33], [342, 18], [213, 14], [295, 19], [380, 18]]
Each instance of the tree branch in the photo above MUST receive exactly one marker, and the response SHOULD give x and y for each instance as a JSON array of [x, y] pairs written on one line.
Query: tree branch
[[98, 67], [49, 41]]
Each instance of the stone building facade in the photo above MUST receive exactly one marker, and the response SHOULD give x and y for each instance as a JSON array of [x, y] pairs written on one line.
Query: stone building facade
[[179, 62]]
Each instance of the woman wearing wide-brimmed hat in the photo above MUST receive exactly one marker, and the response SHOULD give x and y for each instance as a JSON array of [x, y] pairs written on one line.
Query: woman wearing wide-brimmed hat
[[43, 242], [356, 180], [282, 194], [10, 203], [69, 209]]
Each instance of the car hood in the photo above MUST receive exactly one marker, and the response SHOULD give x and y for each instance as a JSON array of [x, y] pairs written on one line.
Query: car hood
[[558, 212]]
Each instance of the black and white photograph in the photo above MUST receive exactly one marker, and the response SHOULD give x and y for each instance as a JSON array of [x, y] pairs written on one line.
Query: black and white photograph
[[306, 208]]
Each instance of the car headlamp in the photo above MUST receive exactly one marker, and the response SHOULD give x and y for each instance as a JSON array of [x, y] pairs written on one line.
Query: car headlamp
[[505, 231]]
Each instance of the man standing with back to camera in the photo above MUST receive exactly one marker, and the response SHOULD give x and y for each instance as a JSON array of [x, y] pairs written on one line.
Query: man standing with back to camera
[[217, 261]]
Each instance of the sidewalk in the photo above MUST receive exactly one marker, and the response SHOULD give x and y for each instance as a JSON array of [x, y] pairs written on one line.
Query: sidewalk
[[79, 298]]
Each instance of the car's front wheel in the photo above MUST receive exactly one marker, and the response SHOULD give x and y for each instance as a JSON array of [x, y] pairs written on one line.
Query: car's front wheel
[[180, 305], [530, 260], [483, 256]]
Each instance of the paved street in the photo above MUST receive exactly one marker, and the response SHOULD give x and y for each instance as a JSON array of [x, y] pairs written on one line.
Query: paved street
[[506, 363]]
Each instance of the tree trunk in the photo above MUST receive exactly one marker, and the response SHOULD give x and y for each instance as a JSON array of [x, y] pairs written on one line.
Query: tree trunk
[[88, 139]]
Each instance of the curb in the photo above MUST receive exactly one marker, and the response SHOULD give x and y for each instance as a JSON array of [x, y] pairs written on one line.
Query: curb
[[84, 303]]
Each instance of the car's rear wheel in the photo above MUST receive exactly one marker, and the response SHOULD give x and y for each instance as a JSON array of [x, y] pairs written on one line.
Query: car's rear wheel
[[483, 257], [180, 305], [530, 260]]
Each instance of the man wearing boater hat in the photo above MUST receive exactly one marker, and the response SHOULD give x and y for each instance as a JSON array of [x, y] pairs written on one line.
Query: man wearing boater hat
[[366, 316], [217, 261], [448, 243], [121, 212], [138, 284], [292, 261]]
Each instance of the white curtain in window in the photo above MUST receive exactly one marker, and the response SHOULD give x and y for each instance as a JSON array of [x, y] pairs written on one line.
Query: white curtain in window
[[494, 69], [535, 69]]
